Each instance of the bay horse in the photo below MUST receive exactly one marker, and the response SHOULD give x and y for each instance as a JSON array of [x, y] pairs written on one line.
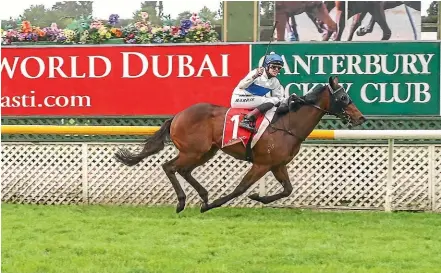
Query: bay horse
[[359, 10], [416, 5], [197, 133], [288, 9]]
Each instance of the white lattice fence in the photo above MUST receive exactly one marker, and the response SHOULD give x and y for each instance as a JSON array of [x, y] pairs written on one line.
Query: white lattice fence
[[436, 174], [42, 173], [333, 176], [411, 187], [146, 183], [336, 176]]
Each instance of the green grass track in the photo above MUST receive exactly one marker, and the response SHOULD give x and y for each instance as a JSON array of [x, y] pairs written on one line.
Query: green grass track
[[117, 239]]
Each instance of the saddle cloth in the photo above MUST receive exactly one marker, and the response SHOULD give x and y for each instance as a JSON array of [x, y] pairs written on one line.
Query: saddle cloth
[[233, 134]]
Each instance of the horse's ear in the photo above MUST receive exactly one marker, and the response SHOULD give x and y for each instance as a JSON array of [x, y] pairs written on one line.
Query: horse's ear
[[333, 82]]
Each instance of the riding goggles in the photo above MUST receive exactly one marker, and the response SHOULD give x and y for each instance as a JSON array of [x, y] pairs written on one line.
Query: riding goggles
[[276, 67]]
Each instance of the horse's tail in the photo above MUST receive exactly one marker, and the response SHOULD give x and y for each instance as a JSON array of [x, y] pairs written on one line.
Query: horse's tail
[[152, 145]]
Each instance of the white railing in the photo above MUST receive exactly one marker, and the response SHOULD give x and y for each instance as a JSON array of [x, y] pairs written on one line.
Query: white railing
[[352, 176]]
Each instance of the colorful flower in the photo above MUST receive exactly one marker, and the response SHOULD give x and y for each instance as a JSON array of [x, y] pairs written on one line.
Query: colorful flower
[[189, 30], [113, 19], [186, 24], [116, 32], [155, 30], [96, 24], [69, 34], [144, 15]]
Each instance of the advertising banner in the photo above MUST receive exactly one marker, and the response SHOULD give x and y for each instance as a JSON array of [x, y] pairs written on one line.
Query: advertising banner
[[118, 80], [390, 79], [383, 78], [341, 20]]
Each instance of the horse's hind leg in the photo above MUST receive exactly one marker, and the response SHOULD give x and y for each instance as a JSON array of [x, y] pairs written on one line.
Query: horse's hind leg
[[281, 174], [186, 174], [253, 175], [184, 164], [170, 170], [380, 18]]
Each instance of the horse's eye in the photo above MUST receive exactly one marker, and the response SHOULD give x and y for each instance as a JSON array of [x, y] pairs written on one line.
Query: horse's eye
[[344, 98]]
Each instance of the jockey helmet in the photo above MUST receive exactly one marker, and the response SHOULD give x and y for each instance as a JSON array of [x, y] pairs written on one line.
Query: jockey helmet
[[273, 58]]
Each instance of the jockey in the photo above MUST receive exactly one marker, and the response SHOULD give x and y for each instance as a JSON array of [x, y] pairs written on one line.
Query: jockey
[[260, 90]]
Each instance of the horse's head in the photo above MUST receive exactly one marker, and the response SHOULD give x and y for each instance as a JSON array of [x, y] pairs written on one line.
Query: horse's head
[[341, 105], [333, 100]]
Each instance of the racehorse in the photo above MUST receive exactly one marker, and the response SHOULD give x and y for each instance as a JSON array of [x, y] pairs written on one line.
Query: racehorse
[[360, 9], [197, 133], [286, 9], [387, 5]]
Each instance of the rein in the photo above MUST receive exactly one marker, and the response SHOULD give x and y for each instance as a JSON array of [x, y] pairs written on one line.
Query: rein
[[306, 104]]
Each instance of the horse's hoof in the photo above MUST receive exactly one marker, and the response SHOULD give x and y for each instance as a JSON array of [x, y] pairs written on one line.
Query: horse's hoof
[[180, 207], [204, 207], [205, 199], [254, 196], [362, 32]]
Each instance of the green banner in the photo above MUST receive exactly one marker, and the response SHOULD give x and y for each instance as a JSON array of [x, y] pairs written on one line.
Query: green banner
[[382, 78]]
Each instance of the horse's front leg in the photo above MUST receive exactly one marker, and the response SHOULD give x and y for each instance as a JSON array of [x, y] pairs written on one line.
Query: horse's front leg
[[340, 19], [318, 24], [323, 15], [294, 33], [380, 18], [356, 22], [367, 29], [281, 174], [282, 18], [254, 174]]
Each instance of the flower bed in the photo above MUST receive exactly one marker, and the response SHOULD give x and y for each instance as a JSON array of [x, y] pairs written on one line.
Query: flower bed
[[89, 31]]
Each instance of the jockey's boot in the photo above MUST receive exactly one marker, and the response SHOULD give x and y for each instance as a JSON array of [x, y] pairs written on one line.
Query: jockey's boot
[[251, 117]]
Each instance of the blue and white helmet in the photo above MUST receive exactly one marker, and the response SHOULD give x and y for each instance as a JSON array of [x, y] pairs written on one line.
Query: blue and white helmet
[[273, 58]]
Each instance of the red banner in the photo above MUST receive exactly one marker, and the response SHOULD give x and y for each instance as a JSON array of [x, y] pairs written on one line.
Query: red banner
[[119, 80]]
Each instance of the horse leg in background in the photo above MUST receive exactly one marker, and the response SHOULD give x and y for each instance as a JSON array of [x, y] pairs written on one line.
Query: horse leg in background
[[293, 27], [330, 5], [340, 19], [281, 174], [181, 162], [367, 29], [186, 174], [318, 25], [281, 18], [253, 175], [380, 18], [322, 14], [356, 22]]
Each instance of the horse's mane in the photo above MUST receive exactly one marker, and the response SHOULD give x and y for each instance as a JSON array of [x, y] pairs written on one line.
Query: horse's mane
[[313, 96], [295, 103], [309, 98]]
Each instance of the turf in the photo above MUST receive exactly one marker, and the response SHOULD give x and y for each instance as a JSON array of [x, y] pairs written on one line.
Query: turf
[[150, 239]]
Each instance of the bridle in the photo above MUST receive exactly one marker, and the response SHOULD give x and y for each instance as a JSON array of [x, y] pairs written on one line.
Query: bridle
[[334, 94]]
